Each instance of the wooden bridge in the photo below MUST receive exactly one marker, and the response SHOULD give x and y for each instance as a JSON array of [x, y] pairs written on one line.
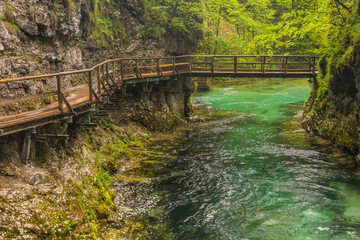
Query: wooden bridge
[[103, 81]]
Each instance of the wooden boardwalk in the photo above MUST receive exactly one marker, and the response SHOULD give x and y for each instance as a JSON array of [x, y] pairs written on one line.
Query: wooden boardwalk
[[104, 79]]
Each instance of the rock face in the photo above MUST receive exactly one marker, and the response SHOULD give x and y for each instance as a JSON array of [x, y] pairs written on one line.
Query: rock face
[[333, 108], [46, 36], [158, 106]]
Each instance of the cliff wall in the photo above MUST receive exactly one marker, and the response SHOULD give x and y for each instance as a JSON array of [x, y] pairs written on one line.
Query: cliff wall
[[332, 110]]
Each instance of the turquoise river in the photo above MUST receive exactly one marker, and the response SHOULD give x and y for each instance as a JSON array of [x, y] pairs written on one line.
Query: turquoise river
[[252, 172]]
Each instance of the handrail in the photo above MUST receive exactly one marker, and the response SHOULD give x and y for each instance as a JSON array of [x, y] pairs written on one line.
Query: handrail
[[141, 59], [123, 69]]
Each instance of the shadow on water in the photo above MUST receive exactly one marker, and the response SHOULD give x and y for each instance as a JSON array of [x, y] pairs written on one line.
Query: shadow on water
[[251, 172]]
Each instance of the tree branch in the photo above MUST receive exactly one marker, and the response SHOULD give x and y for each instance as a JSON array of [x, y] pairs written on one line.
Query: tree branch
[[343, 5]]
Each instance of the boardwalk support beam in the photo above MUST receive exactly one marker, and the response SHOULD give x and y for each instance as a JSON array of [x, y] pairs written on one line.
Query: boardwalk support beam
[[29, 147]]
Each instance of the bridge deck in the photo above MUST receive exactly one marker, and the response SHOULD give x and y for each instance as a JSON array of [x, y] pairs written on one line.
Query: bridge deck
[[103, 80]]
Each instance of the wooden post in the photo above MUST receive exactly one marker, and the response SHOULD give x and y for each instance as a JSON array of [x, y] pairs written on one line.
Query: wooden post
[[90, 87], [114, 71], [286, 64], [235, 64], [103, 75], [212, 65], [314, 64], [99, 80], [58, 79], [264, 64], [107, 72], [158, 66], [310, 60], [283, 64], [173, 63], [190, 64], [122, 70], [137, 68]]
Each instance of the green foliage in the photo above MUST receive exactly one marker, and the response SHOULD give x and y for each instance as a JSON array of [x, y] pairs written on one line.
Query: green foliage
[[105, 23], [278, 26], [178, 18], [323, 88], [13, 28]]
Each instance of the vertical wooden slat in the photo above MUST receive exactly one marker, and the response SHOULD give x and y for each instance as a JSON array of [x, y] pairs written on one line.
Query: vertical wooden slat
[[137, 68], [59, 89], [173, 65], [103, 75], [122, 70], [264, 64], [314, 64], [99, 80], [235, 64], [190, 64], [158, 66], [90, 87], [283, 64], [106, 70], [286, 64], [114, 71], [212, 65]]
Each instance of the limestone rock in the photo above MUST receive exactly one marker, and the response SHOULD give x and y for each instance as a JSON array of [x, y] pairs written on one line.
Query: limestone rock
[[7, 40], [36, 179], [91, 42], [28, 26]]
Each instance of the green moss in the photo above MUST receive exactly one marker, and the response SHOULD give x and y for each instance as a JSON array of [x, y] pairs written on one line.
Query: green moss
[[346, 141], [102, 211], [323, 88], [12, 27], [132, 179]]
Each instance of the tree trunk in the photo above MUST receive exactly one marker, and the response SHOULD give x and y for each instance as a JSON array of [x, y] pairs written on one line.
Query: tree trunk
[[218, 30]]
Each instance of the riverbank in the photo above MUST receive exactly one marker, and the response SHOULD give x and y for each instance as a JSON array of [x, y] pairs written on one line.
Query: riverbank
[[240, 173], [69, 192]]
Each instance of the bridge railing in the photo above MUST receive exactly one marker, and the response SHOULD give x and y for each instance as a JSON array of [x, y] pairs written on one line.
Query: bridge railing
[[253, 63], [98, 79], [105, 77]]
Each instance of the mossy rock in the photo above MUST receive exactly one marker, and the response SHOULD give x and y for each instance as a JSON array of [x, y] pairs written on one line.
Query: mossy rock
[[102, 211], [111, 165], [132, 180]]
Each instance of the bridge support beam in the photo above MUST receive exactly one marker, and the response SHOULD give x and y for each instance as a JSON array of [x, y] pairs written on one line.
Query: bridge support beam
[[61, 131], [29, 147], [203, 83]]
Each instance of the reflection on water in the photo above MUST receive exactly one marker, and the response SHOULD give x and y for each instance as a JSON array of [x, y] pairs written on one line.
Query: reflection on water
[[251, 172]]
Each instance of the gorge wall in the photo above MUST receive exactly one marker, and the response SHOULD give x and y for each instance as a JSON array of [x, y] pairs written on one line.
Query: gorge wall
[[332, 111]]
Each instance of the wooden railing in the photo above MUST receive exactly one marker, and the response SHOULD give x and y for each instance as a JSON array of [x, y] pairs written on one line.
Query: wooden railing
[[105, 77], [253, 63]]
